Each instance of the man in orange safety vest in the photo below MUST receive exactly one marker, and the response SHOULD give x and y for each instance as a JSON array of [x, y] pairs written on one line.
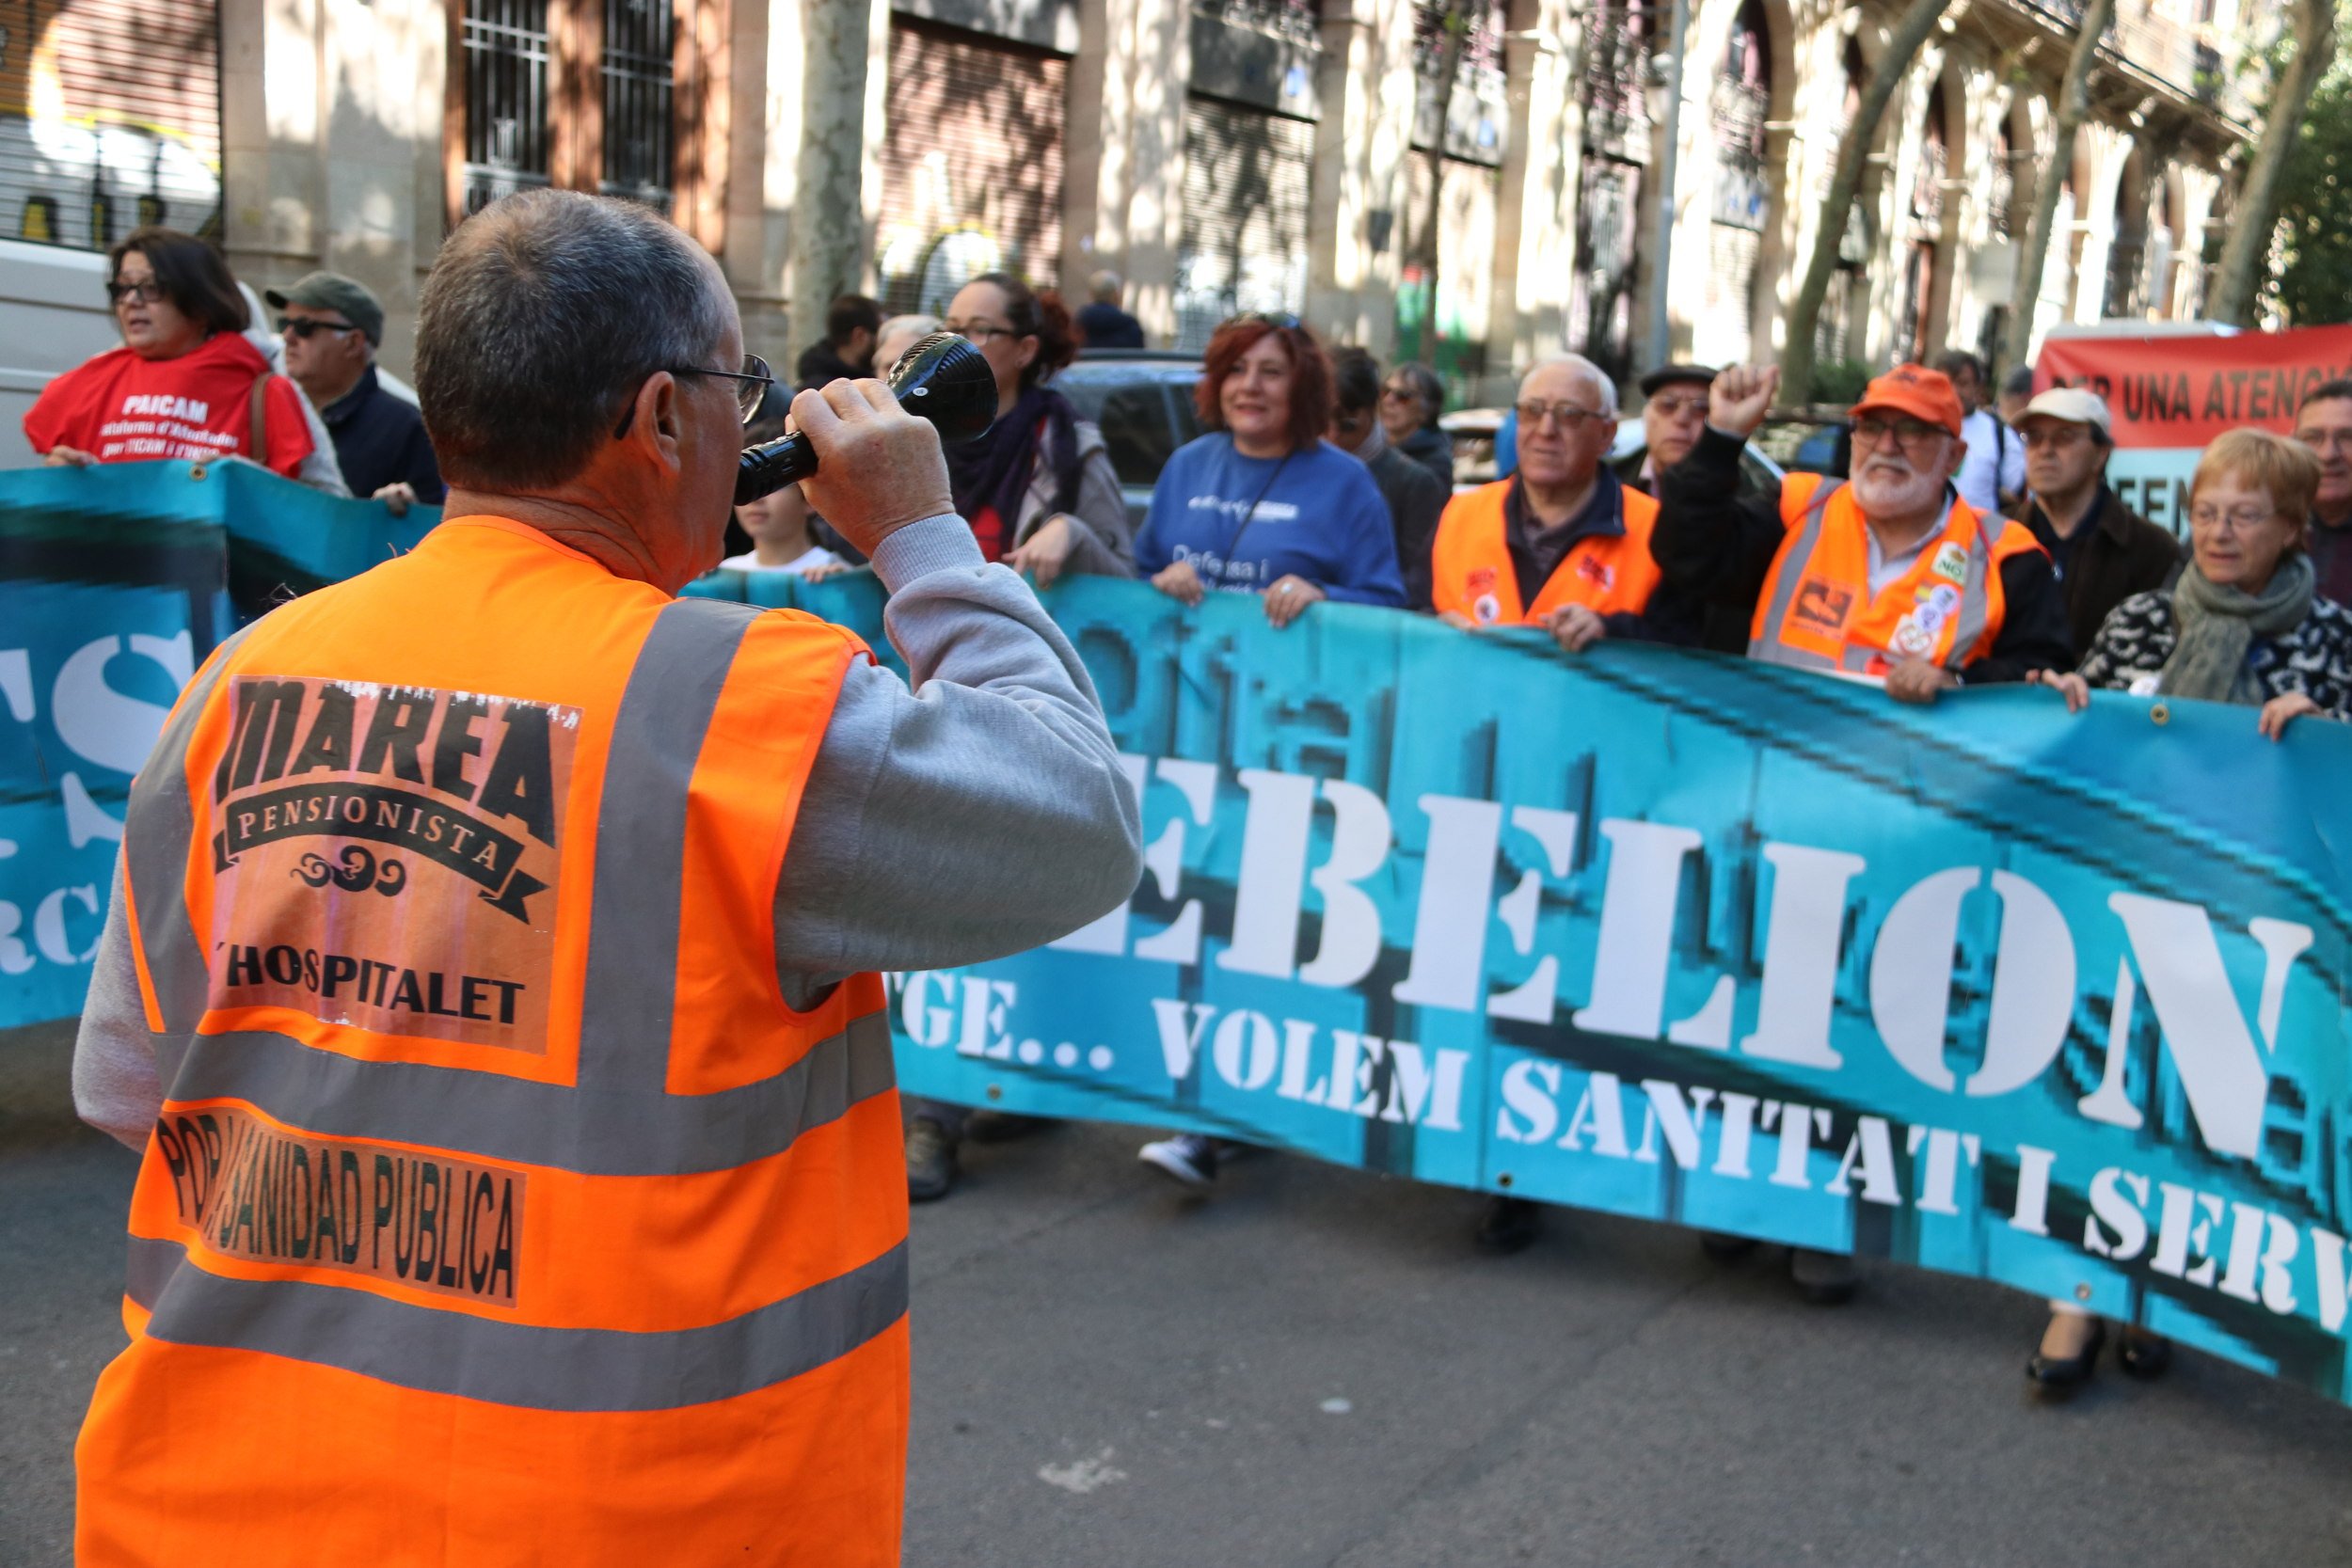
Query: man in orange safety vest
[[490, 989]]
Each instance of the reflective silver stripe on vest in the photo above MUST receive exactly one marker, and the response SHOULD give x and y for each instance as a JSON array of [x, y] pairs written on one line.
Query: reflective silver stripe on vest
[[157, 829], [1770, 648], [1976, 592], [641, 842], [617, 1133], [148, 1268], [576, 1370]]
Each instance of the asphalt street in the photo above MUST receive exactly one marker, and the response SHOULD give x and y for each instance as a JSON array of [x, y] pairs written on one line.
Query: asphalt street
[[1313, 1368]]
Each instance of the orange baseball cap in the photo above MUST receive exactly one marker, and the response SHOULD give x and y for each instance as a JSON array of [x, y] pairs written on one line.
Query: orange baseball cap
[[1916, 391]]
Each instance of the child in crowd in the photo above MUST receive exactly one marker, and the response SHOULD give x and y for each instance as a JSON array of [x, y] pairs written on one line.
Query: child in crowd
[[781, 537]]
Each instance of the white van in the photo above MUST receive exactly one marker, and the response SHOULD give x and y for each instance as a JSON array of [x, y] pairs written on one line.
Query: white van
[[53, 316]]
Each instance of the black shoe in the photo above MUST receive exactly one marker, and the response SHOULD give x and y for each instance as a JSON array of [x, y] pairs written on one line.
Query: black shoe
[[1725, 1248], [2063, 1374], [1823, 1278], [2144, 1355], [1508, 1226], [930, 1161], [1001, 1127]]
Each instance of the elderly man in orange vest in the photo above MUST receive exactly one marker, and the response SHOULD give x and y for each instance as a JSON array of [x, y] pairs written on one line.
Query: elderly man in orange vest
[[1563, 544], [489, 990], [1890, 575]]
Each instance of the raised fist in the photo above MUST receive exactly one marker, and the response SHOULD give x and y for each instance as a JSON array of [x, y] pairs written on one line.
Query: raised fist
[[1741, 396]]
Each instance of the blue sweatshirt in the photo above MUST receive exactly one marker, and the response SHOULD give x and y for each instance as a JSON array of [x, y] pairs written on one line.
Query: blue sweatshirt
[[1321, 516]]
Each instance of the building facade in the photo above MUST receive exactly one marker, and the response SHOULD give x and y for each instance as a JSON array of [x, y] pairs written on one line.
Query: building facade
[[1477, 184]]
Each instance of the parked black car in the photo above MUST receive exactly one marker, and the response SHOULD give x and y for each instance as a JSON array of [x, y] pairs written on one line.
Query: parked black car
[[1142, 398]]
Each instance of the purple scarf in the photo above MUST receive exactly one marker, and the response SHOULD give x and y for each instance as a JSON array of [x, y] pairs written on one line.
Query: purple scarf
[[993, 472]]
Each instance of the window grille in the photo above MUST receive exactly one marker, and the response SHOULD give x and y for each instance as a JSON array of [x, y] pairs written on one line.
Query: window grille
[[507, 84], [639, 126]]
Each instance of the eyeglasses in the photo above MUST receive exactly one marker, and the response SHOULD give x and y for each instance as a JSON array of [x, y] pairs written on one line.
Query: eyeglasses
[[979, 333], [1568, 416], [2207, 519], [149, 289], [756, 378], [1913, 435], [1399, 395], [302, 329], [1673, 409]]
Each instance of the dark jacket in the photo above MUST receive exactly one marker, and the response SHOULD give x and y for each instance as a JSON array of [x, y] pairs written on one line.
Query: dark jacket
[[2118, 553], [822, 365], [379, 440], [1717, 550], [1433, 449], [1416, 501], [1691, 616], [1102, 325], [2331, 550]]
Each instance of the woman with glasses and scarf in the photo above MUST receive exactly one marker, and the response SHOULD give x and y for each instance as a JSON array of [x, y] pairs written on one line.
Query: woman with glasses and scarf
[[1262, 503], [1038, 489], [186, 384], [1042, 497], [2241, 624]]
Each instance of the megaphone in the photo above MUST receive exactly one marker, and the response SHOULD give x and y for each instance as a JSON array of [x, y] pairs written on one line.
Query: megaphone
[[942, 379]]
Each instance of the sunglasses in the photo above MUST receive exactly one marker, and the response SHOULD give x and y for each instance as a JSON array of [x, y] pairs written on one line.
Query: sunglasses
[[149, 289], [304, 328]]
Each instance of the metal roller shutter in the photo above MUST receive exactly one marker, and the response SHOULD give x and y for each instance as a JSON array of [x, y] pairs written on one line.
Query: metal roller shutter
[[109, 117], [1247, 175], [972, 164]]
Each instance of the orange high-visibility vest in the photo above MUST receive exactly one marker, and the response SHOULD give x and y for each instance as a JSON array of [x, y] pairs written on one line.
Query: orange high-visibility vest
[[1471, 569], [1817, 611], [500, 1209]]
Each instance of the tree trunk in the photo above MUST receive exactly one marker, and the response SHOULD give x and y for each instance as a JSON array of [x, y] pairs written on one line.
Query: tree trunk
[[2073, 107], [1455, 20], [1854, 151], [2254, 214], [829, 213]]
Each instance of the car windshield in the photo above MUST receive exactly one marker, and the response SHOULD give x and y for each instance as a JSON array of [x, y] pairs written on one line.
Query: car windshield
[[1144, 420]]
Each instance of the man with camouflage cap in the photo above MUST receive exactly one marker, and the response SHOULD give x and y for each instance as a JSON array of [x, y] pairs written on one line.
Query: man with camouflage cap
[[332, 327]]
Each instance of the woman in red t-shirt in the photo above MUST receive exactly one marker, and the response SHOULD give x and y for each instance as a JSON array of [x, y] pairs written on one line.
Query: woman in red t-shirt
[[186, 382]]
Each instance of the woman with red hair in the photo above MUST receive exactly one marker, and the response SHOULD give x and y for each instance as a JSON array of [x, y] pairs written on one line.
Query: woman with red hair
[[1262, 503]]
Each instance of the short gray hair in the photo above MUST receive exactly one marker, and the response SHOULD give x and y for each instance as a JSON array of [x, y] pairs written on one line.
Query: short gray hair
[[921, 325], [1586, 368], [1106, 285], [543, 315]]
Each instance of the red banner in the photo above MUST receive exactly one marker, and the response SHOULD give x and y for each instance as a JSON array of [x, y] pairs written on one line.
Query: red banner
[[2169, 391]]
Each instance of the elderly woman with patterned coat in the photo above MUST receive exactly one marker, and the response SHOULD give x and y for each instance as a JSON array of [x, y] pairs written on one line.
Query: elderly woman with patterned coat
[[2242, 625]]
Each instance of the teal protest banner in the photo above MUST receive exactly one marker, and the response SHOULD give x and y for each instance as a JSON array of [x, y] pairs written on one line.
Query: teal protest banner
[[115, 583], [2052, 1000]]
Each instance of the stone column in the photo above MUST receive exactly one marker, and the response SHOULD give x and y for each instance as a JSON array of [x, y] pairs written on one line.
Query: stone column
[[1368, 91], [1535, 258], [331, 146], [271, 111], [841, 95], [1125, 153]]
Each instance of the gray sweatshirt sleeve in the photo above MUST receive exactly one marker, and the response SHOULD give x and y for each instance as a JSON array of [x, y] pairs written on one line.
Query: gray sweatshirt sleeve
[[115, 1088], [977, 813]]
